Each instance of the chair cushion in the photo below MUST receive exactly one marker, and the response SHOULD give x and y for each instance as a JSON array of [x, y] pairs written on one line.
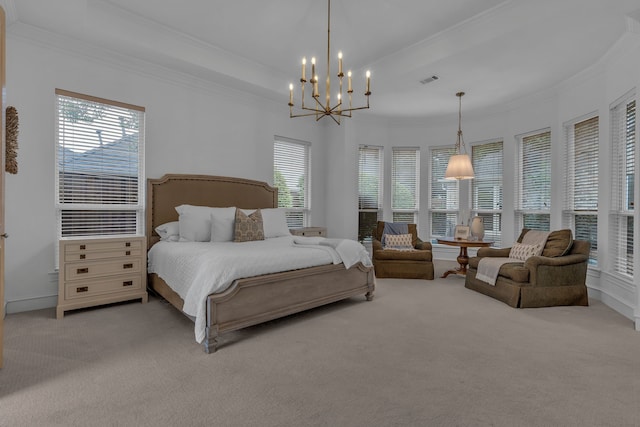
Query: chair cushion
[[558, 243], [515, 271], [390, 254]]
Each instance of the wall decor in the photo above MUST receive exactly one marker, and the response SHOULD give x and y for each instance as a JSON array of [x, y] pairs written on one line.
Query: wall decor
[[11, 149]]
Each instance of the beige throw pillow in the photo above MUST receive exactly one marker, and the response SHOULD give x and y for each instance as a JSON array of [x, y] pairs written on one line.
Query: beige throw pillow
[[398, 241], [522, 252], [248, 227]]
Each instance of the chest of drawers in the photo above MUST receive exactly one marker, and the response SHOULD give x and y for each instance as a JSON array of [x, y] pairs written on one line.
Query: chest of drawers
[[101, 271]]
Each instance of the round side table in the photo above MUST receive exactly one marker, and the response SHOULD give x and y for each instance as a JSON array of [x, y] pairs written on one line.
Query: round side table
[[463, 258]]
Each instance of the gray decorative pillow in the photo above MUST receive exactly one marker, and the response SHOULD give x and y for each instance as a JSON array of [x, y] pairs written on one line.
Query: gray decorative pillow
[[248, 227]]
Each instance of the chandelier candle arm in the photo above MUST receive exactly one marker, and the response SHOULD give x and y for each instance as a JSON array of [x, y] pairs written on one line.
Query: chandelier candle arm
[[320, 109]]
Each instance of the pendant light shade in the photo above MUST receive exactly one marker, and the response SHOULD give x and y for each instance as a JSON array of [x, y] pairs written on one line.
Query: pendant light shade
[[459, 166]]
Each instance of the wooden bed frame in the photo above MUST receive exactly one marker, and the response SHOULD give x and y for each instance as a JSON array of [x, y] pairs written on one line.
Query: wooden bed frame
[[252, 300]]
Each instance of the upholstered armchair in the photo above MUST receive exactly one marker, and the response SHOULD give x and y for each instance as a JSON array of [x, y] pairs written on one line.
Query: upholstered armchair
[[556, 277], [404, 264]]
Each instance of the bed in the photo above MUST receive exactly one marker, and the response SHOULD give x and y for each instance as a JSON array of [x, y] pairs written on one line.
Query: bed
[[251, 300]]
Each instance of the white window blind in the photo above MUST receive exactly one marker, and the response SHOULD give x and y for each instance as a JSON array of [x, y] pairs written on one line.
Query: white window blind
[[99, 166], [405, 184], [581, 182], [444, 194], [369, 189], [486, 188], [291, 177], [623, 155], [533, 192]]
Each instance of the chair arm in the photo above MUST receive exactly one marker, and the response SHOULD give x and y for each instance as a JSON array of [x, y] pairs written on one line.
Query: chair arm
[[557, 271], [493, 252], [423, 245], [376, 244], [535, 261]]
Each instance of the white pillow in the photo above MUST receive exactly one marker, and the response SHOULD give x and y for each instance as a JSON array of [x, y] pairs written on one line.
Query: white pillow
[[194, 228], [222, 224], [194, 223], [522, 252], [274, 223], [169, 231]]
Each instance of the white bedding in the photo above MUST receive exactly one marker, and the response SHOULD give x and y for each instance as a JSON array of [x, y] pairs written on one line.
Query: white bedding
[[196, 269]]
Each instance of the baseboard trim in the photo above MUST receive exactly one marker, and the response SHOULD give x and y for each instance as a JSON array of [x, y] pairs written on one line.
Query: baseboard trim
[[30, 304], [613, 303]]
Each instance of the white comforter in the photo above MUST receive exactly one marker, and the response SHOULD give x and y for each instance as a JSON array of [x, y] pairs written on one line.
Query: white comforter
[[196, 269]]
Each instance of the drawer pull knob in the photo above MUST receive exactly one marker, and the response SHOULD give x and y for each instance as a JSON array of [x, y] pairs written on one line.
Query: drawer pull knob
[[128, 283], [83, 247], [82, 256], [127, 253], [125, 266], [83, 270], [82, 289], [127, 244]]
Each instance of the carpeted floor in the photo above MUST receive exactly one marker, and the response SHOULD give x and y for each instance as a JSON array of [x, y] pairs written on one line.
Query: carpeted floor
[[422, 353]]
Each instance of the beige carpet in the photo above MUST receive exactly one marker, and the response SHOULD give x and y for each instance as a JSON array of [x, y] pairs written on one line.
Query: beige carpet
[[422, 353]]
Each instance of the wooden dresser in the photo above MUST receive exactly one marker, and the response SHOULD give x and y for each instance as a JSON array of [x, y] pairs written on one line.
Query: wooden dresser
[[101, 271]]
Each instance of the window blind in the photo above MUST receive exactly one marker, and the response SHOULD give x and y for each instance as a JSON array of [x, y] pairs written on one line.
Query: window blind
[[486, 188], [581, 179], [444, 194], [405, 184], [533, 192], [370, 163], [99, 168], [621, 216], [291, 177]]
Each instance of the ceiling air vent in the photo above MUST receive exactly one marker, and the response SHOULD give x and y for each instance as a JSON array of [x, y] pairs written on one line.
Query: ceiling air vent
[[429, 79]]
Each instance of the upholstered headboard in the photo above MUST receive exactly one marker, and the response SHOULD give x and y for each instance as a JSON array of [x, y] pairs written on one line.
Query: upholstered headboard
[[172, 190]]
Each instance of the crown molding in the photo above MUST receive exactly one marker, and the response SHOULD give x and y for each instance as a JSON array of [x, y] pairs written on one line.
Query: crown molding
[[10, 11], [209, 80]]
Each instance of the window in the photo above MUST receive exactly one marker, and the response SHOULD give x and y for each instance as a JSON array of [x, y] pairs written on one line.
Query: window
[[291, 176], [99, 166], [444, 194], [581, 182], [369, 190], [486, 188], [405, 184], [533, 192], [623, 154]]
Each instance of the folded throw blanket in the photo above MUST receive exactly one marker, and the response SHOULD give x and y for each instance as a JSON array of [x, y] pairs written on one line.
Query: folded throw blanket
[[350, 251], [394, 228], [489, 267]]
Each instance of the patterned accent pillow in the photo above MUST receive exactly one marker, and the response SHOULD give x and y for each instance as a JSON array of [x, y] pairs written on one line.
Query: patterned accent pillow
[[522, 252], [248, 227], [398, 241]]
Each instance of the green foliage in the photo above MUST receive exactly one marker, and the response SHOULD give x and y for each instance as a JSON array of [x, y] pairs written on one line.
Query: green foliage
[[284, 195], [78, 110]]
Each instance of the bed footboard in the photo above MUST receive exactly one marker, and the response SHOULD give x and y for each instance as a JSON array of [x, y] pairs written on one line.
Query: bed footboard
[[259, 299]]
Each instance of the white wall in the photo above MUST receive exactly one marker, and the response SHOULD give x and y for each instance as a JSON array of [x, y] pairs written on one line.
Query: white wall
[[191, 127]]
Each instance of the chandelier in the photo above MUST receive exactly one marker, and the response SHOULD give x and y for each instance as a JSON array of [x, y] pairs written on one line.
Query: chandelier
[[459, 166], [320, 109]]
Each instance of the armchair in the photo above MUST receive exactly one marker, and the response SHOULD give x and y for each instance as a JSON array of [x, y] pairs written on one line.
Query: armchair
[[415, 264], [557, 277]]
